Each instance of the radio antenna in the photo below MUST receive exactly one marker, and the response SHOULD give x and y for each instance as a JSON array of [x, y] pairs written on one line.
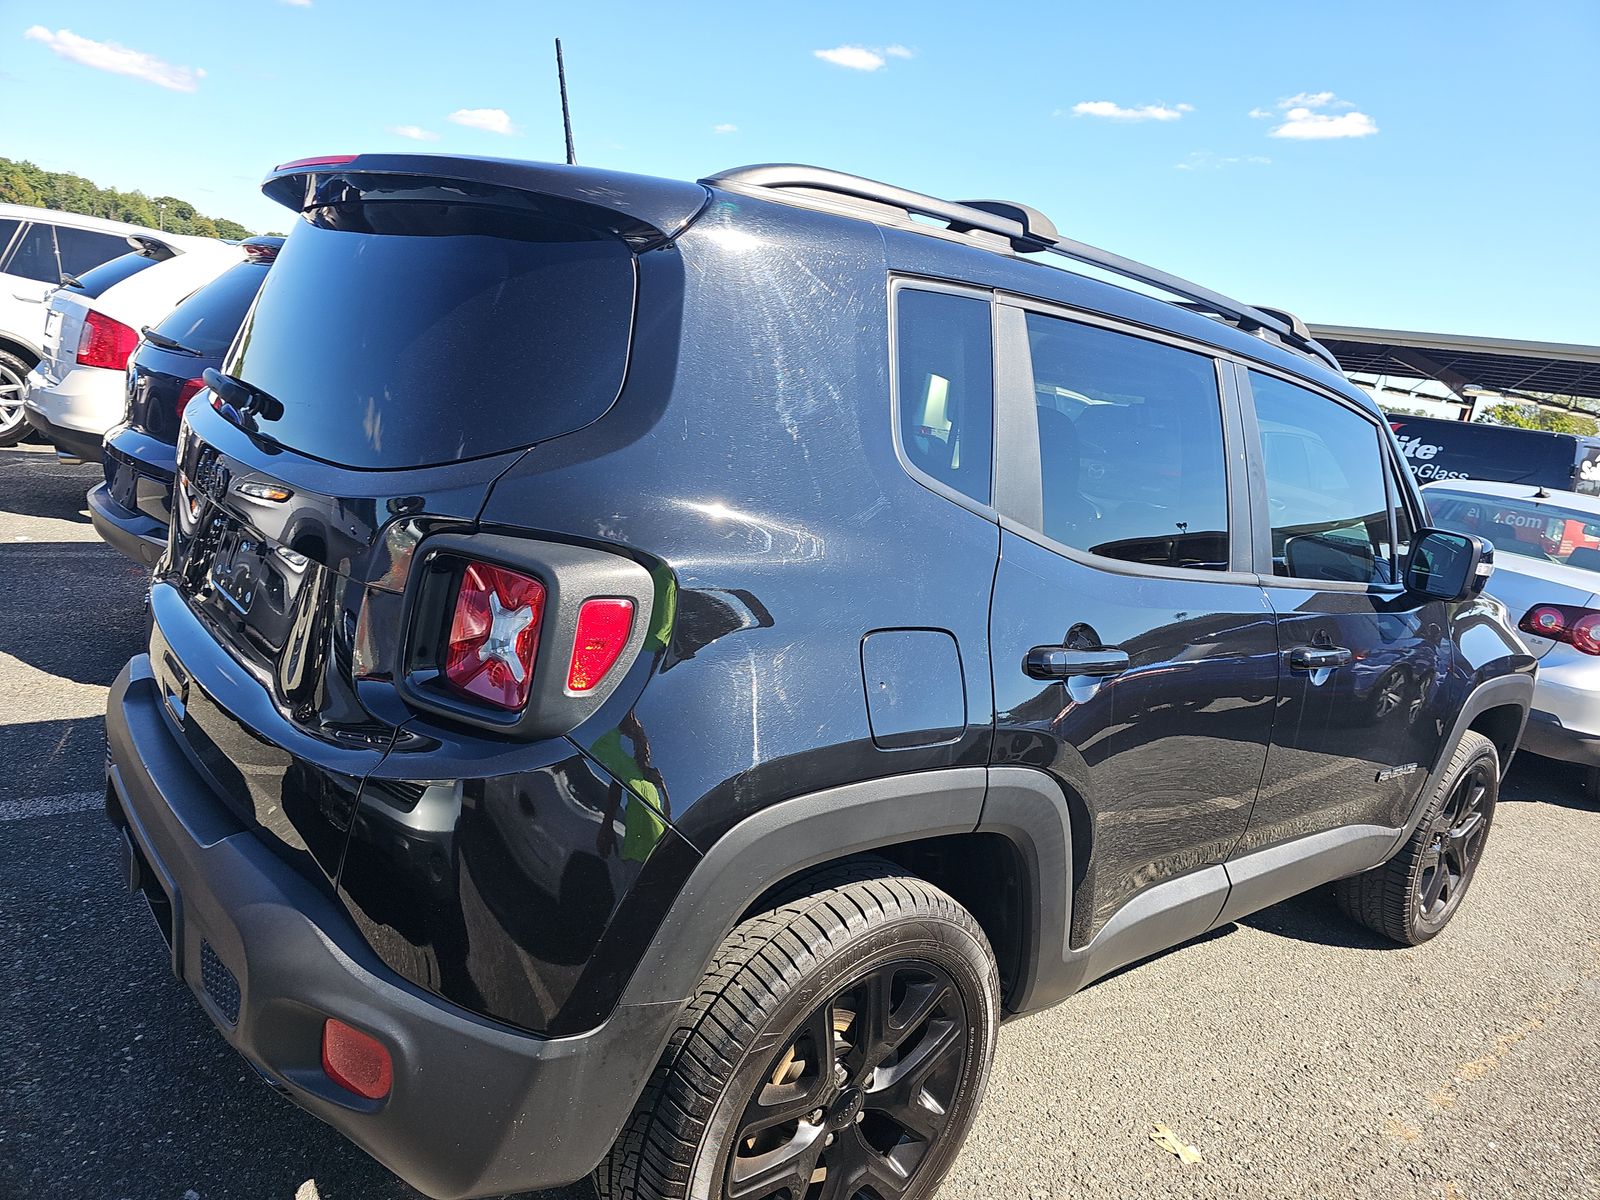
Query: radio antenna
[[566, 112]]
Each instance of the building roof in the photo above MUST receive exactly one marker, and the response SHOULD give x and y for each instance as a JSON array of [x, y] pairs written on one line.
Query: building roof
[[1494, 364]]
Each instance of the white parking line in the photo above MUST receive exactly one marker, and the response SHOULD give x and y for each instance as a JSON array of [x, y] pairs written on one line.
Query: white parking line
[[50, 806]]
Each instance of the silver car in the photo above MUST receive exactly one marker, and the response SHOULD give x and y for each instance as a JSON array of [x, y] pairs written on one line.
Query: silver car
[[1547, 573]]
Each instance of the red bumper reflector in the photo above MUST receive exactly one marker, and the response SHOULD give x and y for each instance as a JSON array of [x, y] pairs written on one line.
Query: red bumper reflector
[[603, 628], [356, 1061]]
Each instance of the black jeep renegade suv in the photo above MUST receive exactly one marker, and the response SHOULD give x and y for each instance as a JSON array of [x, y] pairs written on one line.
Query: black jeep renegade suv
[[646, 676]]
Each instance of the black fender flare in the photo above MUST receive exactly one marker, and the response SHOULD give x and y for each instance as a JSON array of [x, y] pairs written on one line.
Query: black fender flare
[[783, 839], [1502, 691]]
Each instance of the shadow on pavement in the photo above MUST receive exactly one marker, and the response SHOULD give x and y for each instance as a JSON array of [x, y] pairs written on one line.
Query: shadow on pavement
[[74, 610], [60, 503]]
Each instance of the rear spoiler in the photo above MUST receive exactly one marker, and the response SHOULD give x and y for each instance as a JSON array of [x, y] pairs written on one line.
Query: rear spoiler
[[153, 248], [642, 211]]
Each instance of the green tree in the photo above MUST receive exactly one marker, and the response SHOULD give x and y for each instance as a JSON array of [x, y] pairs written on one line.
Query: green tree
[[26, 183], [1531, 416]]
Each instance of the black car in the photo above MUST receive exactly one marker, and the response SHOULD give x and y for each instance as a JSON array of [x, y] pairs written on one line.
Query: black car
[[647, 675], [131, 508]]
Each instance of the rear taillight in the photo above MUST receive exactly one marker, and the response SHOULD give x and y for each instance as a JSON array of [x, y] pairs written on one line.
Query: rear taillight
[[494, 635], [105, 343], [603, 629], [186, 394], [356, 1061], [1576, 627]]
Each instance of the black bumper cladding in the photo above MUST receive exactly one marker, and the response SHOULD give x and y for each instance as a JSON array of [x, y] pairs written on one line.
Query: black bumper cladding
[[477, 1108]]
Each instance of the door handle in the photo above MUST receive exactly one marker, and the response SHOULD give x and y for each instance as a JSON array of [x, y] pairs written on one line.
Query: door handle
[[1059, 662], [1317, 658]]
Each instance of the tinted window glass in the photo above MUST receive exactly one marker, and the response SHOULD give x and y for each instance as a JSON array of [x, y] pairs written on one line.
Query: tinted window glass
[[108, 274], [946, 388], [1130, 446], [8, 229], [82, 249], [35, 255], [1326, 496], [207, 320], [399, 334], [1537, 531]]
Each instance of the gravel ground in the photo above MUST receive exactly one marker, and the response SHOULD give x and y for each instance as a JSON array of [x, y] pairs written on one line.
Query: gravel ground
[[1297, 1054]]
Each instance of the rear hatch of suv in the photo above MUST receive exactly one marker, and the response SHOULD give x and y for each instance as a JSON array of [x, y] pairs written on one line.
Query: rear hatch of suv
[[426, 321]]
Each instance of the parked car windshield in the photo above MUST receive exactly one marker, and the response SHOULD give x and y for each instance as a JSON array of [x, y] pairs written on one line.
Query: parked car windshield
[[208, 319], [1538, 531], [408, 333]]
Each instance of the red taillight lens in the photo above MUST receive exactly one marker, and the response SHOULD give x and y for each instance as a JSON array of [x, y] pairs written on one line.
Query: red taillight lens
[[186, 394], [494, 635], [105, 343], [603, 628], [327, 160], [356, 1061], [1577, 627]]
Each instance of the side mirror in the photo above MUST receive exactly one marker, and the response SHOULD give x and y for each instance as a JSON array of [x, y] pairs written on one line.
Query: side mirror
[[1448, 566]]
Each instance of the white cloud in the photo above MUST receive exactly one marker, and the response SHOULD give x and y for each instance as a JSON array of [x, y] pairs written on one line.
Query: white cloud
[[1144, 112], [725, 127], [415, 132], [1312, 100], [1261, 114], [898, 51], [298, 3], [1302, 124], [490, 120], [1205, 160], [857, 58], [119, 60]]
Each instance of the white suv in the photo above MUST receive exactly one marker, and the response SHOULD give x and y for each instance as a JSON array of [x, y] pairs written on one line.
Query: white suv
[[78, 390], [37, 247]]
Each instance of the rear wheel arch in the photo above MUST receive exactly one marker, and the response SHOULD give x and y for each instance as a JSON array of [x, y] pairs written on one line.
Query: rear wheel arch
[[28, 354], [1001, 850]]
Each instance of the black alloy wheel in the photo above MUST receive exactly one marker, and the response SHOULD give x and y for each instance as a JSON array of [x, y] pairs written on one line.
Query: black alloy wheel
[[861, 1094], [1458, 836]]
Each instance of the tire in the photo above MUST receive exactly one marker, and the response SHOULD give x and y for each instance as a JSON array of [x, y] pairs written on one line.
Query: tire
[[743, 1105], [1412, 897], [13, 372]]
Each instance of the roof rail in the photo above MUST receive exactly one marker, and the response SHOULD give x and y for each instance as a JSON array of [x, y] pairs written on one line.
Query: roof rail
[[1027, 229]]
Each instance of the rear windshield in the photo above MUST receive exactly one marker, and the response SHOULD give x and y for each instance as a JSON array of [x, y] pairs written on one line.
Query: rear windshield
[[1538, 531], [208, 319], [108, 274], [408, 333]]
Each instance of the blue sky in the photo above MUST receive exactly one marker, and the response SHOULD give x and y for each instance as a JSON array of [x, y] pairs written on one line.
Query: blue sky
[[1415, 165]]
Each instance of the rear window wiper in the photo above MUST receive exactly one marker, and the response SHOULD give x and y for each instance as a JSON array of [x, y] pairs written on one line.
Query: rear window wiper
[[166, 343]]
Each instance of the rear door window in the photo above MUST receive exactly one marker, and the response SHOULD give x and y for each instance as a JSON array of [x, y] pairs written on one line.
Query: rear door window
[[1327, 499], [208, 319], [84, 249], [945, 387], [409, 333], [35, 255], [1131, 450], [8, 230]]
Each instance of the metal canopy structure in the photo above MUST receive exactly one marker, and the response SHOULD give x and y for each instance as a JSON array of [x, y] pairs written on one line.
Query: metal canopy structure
[[1493, 364]]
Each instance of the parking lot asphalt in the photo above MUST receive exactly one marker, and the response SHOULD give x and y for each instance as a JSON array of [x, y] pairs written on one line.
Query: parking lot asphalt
[[1298, 1054]]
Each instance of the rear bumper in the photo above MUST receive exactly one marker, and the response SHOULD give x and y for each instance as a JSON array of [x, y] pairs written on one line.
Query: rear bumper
[[1547, 737], [141, 538], [476, 1109], [75, 442], [75, 411]]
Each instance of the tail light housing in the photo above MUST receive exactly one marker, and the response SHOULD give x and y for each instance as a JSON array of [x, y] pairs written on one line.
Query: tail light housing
[[186, 393], [105, 343], [1569, 624], [522, 637]]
